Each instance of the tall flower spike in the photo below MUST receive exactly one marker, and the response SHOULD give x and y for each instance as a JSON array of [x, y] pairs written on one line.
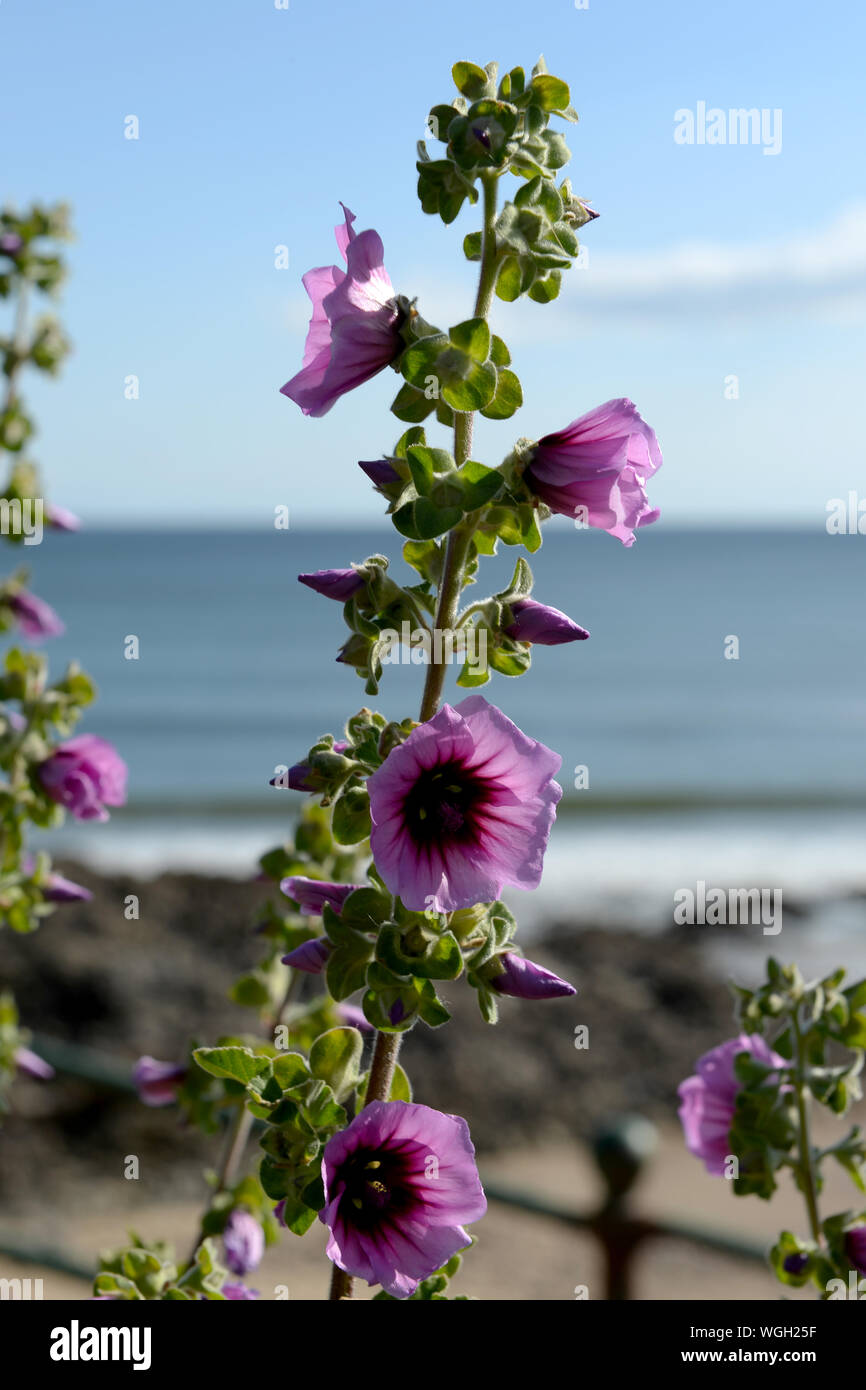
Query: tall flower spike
[[595, 469], [355, 328], [463, 808], [399, 1181]]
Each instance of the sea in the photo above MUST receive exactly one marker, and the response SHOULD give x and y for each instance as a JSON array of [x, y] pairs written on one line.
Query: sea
[[712, 729]]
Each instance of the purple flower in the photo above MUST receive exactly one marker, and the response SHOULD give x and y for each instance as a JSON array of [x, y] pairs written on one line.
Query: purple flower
[[462, 808], [536, 622], [32, 1065], [354, 331], [855, 1247], [35, 617], [354, 1017], [709, 1099], [595, 469], [338, 584], [243, 1242], [157, 1083], [85, 774], [381, 472], [310, 956], [523, 979], [399, 1181], [10, 243], [300, 778], [57, 889], [311, 894], [796, 1262], [59, 519], [236, 1292]]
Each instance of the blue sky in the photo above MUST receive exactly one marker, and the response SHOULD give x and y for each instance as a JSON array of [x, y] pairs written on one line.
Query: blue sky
[[708, 260]]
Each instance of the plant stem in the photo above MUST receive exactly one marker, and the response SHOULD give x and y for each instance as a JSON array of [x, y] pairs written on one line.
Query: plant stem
[[806, 1169], [385, 1056], [457, 546], [387, 1046], [487, 278], [241, 1125]]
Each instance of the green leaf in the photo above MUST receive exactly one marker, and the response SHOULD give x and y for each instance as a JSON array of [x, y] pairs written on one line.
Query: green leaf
[[472, 246], [431, 1008], [473, 391], [290, 1069], [470, 79], [509, 393], [419, 362], [425, 464], [411, 405], [509, 280], [543, 291], [511, 660], [335, 1058], [426, 558], [350, 822], [250, 991], [401, 1087], [421, 520], [346, 970], [499, 354], [473, 338], [480, 484], [550, 92], [472, 676], [239, 1063]]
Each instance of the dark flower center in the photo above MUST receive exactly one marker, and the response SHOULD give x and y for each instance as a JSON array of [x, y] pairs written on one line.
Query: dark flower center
[[441, 804], [375, 1187]]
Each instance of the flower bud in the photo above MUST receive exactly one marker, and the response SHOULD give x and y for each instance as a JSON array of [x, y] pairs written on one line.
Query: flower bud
[[537, 622], [523, 979], [337, 584], [157, 1082]]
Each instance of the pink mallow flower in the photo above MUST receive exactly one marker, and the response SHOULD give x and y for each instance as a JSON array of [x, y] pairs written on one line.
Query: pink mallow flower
[[157, 1083], [354, 330], [399, 1182], [596, 468], [541, 624], [708, 1100], [463, 808], [85, 774], [36, 619], [243, 1242]]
